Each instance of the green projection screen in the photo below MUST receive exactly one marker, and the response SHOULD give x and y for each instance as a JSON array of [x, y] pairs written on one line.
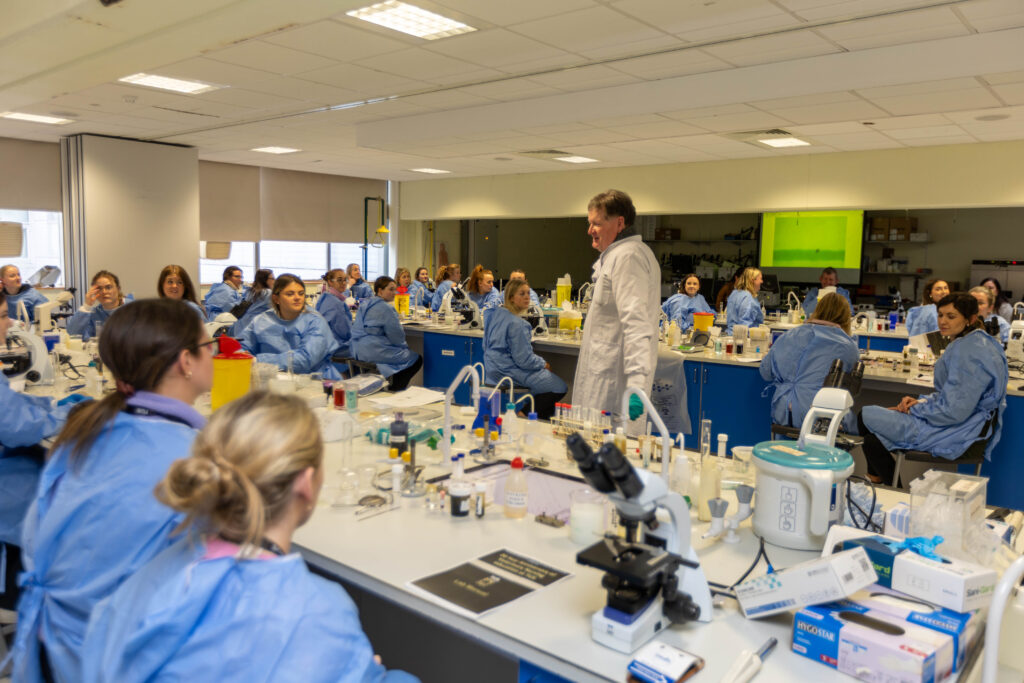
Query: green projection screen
[[797, 245]]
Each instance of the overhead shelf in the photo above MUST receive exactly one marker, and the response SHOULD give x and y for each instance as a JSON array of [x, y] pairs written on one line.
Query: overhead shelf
[[905, 242]]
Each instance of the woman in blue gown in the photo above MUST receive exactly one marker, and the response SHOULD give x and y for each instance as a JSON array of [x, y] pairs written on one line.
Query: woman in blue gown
[[94, 520], [742, 307], [378, 337], [175, 283], [259, 298], [19, 293], [420, 293], [681, 307], [481, 289], [447, 277], [924, 318], [970, 390], [508, 351], [332, 306], [103, 298], [799, 361], [358, 287], [231, 601], [290, 335]]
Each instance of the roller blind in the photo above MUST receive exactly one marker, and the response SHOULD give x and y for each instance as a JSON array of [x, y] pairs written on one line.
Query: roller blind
[[229, 202], [295, 205], [29, 175]]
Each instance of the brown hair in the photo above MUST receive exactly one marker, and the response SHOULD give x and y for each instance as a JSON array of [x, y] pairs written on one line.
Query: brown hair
[[243, 465], [113, 278], [381, 282], [282, 281], [398, 275], [444, 272], [228, 271], [476, 278], [926, 293], [511, 289], [682, 283], [260, 283], [967, 306], [140, 342], [614, 203], [833, 308], [416, 276], [190, 290], [332, 274]]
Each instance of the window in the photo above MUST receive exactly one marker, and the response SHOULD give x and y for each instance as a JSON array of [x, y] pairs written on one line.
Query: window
[[308, 260], [43, 242], [344, 253], [243, 255]]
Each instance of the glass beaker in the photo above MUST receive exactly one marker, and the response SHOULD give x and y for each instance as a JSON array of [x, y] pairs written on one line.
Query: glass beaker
[[588, 516]]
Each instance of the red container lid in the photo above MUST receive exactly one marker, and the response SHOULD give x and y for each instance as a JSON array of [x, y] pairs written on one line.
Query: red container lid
[[231, 349], [517, 463], [702, 313]]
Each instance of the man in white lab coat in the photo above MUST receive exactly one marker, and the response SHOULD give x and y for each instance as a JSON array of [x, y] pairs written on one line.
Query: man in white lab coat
[[620, 336]]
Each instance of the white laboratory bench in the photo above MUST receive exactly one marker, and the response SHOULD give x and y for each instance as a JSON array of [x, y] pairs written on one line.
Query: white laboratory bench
[[550, 628]]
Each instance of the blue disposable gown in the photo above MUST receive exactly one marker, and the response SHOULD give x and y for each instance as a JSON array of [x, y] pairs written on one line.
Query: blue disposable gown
[[197, 308], [92, 524], [339, 319], [307, 338], [221, 298], [1004, 327], [970, 385], [922, 320], [489, 300], [260, 305], [811, 300], [798, 362], [742, 309], [419, 295], [361, 290], [438, 297], [189, 617], [83, 322], [27, 295], [508, 351], [681, 307], [27, 420], [378, 337]]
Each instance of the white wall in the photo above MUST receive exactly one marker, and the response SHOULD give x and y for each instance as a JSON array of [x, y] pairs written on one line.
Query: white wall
[[141, 208]]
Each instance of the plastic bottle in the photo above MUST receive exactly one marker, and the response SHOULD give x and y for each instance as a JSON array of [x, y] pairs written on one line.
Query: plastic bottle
[[396, 483], [672, 336], [515, 490], [710, 486], [606, 436], [510, 422], [894, 318], [480, 504], [620, 440]]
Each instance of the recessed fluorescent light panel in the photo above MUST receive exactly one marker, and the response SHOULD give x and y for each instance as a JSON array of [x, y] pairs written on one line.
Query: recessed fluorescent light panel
[[576, 160], [35, 118], [429, 170], [167, 83], [275, 150], [400, 16], [784, 142]]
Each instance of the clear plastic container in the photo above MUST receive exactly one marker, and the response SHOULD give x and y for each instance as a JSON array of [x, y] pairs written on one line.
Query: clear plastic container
[[947, 504], [515, 490]]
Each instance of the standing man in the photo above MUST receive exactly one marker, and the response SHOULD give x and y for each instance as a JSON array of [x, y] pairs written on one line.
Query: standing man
[[829, 278], [620, 337]]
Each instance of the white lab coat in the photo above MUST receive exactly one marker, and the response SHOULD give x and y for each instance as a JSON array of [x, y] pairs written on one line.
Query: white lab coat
[[620, 336]]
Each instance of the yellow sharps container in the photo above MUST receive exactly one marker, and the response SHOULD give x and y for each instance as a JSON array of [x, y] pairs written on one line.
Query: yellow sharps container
[[232, 373], [402, 302]]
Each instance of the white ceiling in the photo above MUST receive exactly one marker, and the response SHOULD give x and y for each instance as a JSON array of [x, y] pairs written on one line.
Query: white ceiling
[[628, 82]]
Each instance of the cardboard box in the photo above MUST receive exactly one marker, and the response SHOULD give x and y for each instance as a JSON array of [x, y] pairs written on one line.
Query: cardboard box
[[963, 627], [871, 645], [955, 584], [808, 583]]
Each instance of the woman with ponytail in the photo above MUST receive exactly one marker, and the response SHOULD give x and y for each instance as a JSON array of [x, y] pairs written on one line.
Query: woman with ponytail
[[94, 520], [231, 601]]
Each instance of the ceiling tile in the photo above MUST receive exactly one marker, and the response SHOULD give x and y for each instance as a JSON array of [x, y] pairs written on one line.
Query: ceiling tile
[[721, 147], [703, 21], [448, 99], [584, 78], [768, 49], [503, 12], [212, 71], [994, 131], [669, 64], [1006, 77], [898, 29], [854, 109], [850, 142], [592, 136], [932, 142], [835, 128], [1012, 93], [254, 100], [494, 48], [264, 56], [946, 131], [307, 91], [740, 122], [920, 121], [838, 10], [661, 129], [950, 100], [511, 89], [360, 79], [923, 88], [421, 64], [993, 15], [338, 41], [587, 29]]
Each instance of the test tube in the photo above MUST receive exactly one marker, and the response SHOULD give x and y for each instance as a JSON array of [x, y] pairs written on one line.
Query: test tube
[[722, 440], [705, 439]]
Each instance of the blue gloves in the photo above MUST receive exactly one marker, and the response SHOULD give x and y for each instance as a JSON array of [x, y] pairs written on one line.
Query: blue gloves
[[78, 398], [636, 407]]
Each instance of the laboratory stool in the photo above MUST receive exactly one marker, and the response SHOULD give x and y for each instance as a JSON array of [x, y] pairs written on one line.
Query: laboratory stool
[[844, 441], [974, 455]]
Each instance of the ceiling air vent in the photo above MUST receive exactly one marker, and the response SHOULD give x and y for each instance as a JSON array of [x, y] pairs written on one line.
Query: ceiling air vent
[[545, 154], [754, 135]]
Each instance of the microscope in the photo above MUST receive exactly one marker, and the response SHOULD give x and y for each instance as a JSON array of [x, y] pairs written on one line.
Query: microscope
[[24, 356], [458, 307], [652, 576]]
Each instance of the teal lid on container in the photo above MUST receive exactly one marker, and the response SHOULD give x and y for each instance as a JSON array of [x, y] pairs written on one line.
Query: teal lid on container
[[813, 456]]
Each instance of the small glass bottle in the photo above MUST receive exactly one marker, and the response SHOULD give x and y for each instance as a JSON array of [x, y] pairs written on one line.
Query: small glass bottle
[[515, 490], [480, 504]]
